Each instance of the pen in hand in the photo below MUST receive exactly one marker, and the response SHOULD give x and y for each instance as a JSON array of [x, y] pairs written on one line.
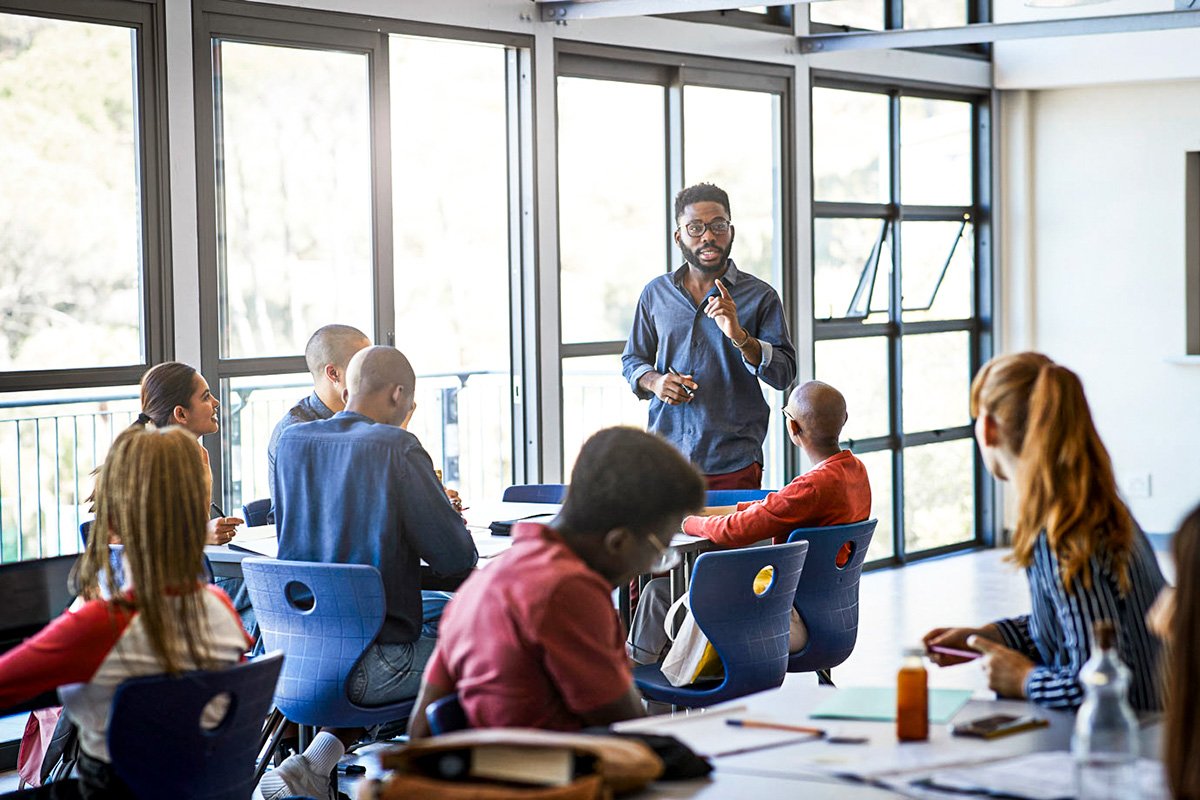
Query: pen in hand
[[687, 390]]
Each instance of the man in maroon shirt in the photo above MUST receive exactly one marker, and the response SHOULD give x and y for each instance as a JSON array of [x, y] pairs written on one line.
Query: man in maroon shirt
[[835, 491], [533, 640]]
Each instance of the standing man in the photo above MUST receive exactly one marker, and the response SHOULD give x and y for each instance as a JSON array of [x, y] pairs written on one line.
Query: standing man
[[327, 353], [702, 338]]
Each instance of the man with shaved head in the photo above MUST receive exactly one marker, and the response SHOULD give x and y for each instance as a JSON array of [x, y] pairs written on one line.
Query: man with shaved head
[[835, 491], [358, 488], [327, 354]]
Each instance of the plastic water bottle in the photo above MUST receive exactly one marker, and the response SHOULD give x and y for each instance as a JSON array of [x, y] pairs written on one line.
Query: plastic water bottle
[[1105, 744]]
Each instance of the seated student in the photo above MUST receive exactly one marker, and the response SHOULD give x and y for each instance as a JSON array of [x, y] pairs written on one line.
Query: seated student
[[1085, 557], [360, 489], [1175, 618], [327, 353], [836, 491], [152, 496], [534, 641]]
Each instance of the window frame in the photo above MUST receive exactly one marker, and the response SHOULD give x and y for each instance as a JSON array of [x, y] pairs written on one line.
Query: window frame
[[978, 326]]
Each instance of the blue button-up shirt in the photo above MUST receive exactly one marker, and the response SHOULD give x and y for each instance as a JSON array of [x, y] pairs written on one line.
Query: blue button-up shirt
[[308, 409], [723, 427], [355, 491]]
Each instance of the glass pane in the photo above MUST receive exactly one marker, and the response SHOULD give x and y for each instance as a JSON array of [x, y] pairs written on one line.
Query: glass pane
[[939, 265], [50, 442], [294, 178], [852, 269], [776, 442], [879, 470], [252, 408], [858, 368], [850, 156], [867, 14], [595, 396], [612, 211], [935, 13], [939, 494], [70, 229], [935, 152], [450, 194], [748, 170], [937, 372]]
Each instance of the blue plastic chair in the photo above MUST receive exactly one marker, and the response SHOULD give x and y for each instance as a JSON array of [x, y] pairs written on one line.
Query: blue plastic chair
[[535, 493], [170, 754], [257, 512], [827, 596], [118, 566], [731, 497], [446, 715], [748, 631], [322, 616]]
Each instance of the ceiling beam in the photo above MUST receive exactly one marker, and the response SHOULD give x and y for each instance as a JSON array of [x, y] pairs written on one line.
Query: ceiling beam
[[996, 32]]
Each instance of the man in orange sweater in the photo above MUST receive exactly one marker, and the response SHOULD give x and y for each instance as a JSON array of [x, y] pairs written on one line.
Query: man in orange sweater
[[835, 491]]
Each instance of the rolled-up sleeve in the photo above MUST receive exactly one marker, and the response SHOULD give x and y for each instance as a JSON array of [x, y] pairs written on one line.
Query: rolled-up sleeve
[[640, 349], [778, 365]]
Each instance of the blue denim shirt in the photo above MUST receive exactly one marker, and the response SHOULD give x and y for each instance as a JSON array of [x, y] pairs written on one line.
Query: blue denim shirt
[[355, 491], [723, 427], [308, 409]]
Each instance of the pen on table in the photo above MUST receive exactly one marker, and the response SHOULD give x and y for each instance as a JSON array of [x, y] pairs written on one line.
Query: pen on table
[[676, 373], [774, 726]]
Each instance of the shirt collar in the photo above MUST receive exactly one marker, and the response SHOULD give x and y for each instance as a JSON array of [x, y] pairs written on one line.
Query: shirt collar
[[318, 404], [730, 278]]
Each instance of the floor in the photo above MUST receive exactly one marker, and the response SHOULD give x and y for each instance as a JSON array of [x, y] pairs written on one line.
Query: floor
[[897, 607]]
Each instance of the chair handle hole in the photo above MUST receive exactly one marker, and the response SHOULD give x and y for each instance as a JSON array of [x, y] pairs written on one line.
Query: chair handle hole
[[217, 714], [764, 580], [299, 596], [845, 554]]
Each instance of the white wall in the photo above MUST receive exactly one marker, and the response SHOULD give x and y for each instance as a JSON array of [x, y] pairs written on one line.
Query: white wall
[[1093, 260]]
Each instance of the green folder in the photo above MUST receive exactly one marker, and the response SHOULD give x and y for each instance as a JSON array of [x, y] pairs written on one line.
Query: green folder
[[878, 703]]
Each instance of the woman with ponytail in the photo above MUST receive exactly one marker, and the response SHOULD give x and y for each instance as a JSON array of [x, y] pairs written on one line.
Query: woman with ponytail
[[153, 493], [1085, 557], [174, 393]]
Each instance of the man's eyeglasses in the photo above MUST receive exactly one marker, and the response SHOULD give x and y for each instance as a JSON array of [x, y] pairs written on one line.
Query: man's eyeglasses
[[667, 557], [696, 229], [787, 414]]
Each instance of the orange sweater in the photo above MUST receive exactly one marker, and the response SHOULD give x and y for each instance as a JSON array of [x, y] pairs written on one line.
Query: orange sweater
[[834, 492]]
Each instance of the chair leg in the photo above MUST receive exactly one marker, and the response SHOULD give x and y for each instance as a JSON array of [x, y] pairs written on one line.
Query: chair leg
[[269, 743], [825, 677]]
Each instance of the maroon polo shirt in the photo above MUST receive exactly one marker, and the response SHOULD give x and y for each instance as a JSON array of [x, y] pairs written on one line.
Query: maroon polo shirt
[[533, 640]]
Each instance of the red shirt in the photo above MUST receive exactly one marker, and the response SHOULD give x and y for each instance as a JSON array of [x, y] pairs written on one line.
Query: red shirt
[[834, 492], [532, 641]]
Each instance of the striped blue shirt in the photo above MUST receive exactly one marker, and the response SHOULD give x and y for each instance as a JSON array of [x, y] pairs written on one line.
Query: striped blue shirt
[[1057, 636]]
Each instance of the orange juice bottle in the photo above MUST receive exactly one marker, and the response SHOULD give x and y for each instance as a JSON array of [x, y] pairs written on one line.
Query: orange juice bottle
[[912, 697]]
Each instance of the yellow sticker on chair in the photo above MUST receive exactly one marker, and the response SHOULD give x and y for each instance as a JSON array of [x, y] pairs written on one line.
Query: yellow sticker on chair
[[710, 666]]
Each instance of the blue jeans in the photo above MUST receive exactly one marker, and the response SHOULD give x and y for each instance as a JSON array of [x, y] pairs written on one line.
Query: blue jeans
[[432, 606], [389, 672]]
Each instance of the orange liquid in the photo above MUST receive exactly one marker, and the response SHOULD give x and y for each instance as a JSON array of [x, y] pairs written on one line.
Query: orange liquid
[[912, 704]]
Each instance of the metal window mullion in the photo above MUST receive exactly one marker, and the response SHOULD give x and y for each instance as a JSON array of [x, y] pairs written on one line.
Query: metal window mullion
[[522, 344], [384, 273], [896, 332], [675, 144]]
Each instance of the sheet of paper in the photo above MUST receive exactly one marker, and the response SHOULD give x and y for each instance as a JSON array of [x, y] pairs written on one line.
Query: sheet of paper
[[245, 533], [878, 704], [265, 546], [708, 734], [1038, 776]]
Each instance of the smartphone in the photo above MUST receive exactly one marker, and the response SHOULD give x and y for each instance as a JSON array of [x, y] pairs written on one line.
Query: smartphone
[[996, 725]]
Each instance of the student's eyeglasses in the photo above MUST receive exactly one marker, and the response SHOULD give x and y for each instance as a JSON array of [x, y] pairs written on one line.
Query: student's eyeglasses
[[696, 229], [787, 414], [667, 557]]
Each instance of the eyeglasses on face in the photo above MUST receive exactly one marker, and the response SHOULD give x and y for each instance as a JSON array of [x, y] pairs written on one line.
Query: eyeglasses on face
[[788, 414], [696, 228], [667, 557]]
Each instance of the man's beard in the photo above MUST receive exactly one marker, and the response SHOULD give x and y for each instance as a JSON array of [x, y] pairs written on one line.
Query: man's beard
[[693, 257]]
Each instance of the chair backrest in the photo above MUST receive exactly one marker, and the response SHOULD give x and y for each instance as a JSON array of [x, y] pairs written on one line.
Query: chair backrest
[[827, 597], [748, 631], [118, 565], [322, 616], [731, 497], [85, 530], [446, 715], [535, 493], [172, 754], [256, 512]]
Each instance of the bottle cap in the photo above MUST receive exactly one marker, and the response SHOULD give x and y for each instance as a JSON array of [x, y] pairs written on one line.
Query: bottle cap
[[1105, 633], [914, 652]]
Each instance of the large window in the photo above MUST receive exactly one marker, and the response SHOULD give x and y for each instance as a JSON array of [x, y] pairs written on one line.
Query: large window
[[361, 178], [81, 255], [897, 262], [881, 14], [629, 138]]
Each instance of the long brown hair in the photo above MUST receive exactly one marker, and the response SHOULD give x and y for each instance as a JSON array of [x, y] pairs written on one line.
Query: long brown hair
[[152, 496], [1181, 738], [165, 386], [1065, 482]]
